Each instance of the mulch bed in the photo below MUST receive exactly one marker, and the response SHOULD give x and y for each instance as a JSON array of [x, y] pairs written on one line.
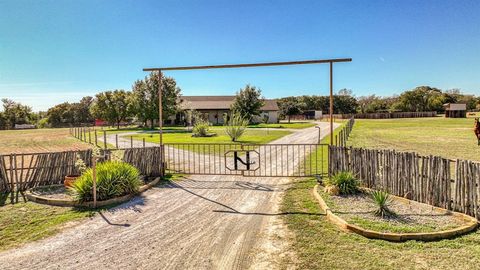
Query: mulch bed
[[410, 217]]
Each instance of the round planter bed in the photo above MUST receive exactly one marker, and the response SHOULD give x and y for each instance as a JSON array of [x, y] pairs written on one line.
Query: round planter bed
[[415, 221], [56, 195]]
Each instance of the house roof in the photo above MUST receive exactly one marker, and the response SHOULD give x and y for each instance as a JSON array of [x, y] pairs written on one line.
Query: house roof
[[218, 103], [455, 106]]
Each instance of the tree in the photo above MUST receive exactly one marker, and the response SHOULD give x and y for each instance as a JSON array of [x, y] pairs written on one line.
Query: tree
[[60, 115], [112, 106], [145, 98], [16, 113], [290, 106], [81, 110], [70, 113], [3, 121], [420, 99], [248, 102]]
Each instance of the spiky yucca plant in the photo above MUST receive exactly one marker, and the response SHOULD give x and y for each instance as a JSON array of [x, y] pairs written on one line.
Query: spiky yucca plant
[[382, 201], [114, 179], [346, 182], [236, 126]]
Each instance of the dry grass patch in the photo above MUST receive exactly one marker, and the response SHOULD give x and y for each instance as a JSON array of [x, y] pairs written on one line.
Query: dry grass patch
[[38, 140]]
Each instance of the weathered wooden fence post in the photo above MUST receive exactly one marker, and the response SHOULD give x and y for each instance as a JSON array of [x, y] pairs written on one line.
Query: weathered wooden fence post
[[105, 140], [96, 138]]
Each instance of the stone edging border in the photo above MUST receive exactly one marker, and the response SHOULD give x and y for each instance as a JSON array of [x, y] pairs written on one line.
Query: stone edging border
[[59, 202], [471, 225]]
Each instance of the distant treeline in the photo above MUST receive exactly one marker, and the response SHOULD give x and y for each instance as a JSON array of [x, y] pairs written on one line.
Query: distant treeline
[[141, 104], [419, 99]]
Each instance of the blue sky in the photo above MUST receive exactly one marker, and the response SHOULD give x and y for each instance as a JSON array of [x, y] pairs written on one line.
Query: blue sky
[[55, 51]]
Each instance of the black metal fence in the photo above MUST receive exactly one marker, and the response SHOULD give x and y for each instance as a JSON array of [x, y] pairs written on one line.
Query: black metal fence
[[247, 159]]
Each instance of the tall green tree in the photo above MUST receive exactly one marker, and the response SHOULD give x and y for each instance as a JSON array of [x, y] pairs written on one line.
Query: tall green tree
[[420, 99], [248, 102], [112, 106], [3, 121], [60, 115], [16, 113], [145, 98], [290, 106], [70, 113]]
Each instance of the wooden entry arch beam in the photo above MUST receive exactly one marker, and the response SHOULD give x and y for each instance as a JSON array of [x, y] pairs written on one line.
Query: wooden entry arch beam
[[265, 64]]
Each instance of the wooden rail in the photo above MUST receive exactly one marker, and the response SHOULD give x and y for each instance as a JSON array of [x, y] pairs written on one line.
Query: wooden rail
[[19, 172], [453, 185]]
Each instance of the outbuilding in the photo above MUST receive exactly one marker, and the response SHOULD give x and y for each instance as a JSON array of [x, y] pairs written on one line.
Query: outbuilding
[[455, 110]]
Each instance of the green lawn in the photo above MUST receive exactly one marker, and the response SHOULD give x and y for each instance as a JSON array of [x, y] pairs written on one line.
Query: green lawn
[[319, 158], [446, 137], [293, 125], [250, 136], [24, 222], [321, 245]]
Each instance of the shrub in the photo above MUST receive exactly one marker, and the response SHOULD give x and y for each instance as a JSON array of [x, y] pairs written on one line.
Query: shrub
[[346, 182], [201, 128], [114, 179], [382, 201], [235, 127]]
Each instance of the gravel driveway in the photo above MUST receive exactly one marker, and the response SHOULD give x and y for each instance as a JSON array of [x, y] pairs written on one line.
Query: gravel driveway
[[202, 222]]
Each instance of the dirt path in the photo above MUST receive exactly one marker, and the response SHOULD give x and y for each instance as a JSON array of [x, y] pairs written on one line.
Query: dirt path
[[202, 222]]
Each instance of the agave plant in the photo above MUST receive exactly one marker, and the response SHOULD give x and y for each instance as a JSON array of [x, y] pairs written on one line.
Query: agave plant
[[382, 201]]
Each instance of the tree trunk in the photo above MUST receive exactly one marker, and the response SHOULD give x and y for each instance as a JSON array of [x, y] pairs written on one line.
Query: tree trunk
[[289, 119], [151, 124], [118, 124]]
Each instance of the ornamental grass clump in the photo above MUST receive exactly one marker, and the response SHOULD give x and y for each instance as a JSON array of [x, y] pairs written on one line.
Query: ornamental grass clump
[[343, 183], [114, 179], [201, 128], [382, 200]]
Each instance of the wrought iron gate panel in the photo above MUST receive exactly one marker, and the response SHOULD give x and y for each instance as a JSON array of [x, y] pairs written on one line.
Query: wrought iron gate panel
[[265, 160]]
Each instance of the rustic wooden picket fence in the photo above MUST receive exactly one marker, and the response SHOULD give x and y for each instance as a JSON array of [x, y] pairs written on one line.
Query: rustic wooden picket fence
[[450, 184], [19, 172], [342, 137]]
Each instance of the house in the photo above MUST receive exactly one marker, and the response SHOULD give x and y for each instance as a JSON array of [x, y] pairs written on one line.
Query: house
[[455, 110], [214, 107]]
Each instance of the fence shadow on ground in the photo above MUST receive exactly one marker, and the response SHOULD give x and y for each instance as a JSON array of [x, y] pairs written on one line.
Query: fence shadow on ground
[[231, 210]]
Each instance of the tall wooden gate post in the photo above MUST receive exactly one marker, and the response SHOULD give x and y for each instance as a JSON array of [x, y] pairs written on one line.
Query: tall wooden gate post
[[331, 103], [160, 122]]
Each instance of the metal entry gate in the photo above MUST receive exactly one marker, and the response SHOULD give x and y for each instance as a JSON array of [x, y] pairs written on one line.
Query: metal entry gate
[[247, 159]]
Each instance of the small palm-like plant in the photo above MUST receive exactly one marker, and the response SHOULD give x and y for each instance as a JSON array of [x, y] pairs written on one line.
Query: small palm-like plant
[[382, 201], [236, 125], [346, 182]]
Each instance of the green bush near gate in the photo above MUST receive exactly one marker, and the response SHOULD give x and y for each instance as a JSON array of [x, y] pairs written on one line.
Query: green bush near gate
[[346, 182], [114, 179]]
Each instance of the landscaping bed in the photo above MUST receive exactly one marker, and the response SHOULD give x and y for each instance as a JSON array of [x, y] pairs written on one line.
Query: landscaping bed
[[410, 217], [58, 195]]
